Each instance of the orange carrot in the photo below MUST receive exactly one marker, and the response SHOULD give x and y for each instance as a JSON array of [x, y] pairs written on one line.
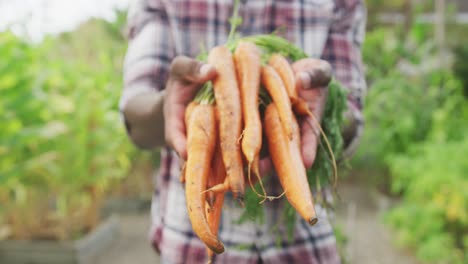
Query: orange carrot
[[285, 71], [188, 114], [247, 60], [201, 139], [215, 205], [287, 160], [228, 102], [248, 65], [189, 111], [301, 107], [275, 87]]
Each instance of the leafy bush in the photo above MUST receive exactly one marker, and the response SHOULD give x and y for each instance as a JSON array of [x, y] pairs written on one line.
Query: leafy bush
[[416, 129], [401, 97], [62, 143], [433, 176], [461, 67]]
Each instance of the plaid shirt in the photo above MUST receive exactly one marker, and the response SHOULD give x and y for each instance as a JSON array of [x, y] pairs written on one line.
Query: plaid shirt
[[158, 31]]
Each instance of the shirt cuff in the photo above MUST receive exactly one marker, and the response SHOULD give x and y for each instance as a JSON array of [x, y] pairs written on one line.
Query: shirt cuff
[[352, 130], [132, 91], [142, 113]]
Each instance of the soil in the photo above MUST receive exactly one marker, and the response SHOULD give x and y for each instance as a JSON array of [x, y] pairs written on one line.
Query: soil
[[132, 245], [360, 213]]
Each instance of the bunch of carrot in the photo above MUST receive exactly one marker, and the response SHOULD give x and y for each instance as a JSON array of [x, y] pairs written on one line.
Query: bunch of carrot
[[225, 128]]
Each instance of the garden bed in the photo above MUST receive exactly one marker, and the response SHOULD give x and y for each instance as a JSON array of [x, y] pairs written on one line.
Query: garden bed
[[81, 251]]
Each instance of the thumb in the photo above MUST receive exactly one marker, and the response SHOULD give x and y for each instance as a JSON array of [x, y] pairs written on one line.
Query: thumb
[[189, 70]]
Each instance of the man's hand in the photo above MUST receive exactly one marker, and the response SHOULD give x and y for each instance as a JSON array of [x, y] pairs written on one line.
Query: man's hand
[[312, 79], [185, 79]]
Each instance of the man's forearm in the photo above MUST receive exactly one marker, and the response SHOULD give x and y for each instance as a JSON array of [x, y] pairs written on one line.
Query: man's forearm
[[144, 119]]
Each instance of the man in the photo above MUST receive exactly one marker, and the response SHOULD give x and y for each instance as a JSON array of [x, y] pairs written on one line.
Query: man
[[161, 78]]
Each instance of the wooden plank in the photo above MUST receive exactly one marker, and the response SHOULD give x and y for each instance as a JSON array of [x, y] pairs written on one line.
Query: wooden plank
[[32, 257], [82, 251], [36, 245], [99, 241]]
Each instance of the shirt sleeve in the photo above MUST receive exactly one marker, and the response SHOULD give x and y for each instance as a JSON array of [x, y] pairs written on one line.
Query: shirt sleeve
[[149, 52], [146, 69], [343, 51]]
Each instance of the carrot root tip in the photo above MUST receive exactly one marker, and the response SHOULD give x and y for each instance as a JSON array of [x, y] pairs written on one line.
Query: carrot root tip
[[240, 199], [313, 221], [219, 249]]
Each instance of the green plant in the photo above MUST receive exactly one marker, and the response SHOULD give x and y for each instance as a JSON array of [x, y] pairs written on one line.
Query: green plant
[[416, 129], [433, 217], [403, 78], [342, 241], [461, 67], [61, 140]]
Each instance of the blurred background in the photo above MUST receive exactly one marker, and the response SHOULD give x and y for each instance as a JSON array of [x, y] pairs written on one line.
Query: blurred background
[[66, 163]]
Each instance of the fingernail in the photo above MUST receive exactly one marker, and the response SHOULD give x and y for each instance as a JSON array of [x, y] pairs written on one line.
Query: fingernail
[[305, 79], [205, 69]]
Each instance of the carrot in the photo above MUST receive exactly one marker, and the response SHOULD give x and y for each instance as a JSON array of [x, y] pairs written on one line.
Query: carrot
[[300, 106], [247, 61], [227, 97], [287, 160], [189, 111], [248, 66], [215, 203], [188, 114], [284, 69], [201, 139], [218, 173], [275, 87]]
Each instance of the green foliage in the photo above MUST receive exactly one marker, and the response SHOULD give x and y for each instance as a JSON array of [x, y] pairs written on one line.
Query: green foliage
[[433, 216], [61, 139], [405, 88], [433, 177], [461, 67], [416, 128], [341, 242]]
